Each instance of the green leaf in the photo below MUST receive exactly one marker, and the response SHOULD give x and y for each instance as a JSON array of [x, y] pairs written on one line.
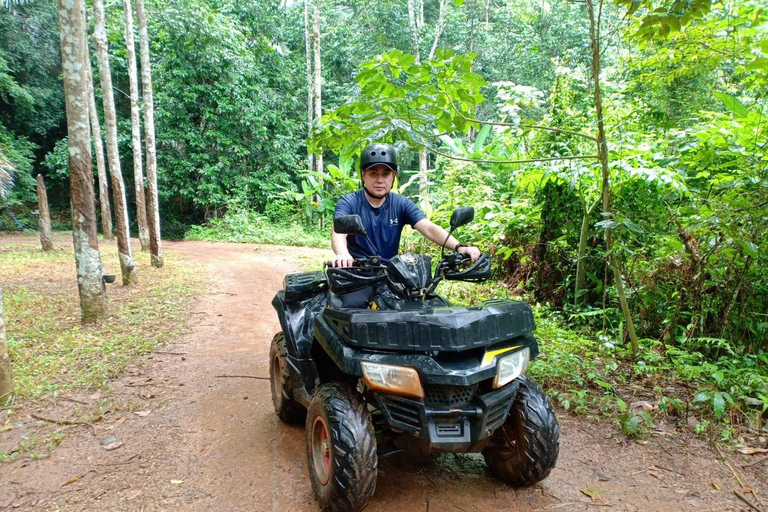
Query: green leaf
[[718, 404], [481, 138], [444, 53], [732, 104], [750, 249], [758, 63]]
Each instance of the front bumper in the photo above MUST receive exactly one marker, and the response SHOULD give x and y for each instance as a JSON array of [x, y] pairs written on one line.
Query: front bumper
[[461, 428]]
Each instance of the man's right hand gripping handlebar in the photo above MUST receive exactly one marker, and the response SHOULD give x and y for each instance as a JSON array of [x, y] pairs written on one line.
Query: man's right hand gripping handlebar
[[343, 260]]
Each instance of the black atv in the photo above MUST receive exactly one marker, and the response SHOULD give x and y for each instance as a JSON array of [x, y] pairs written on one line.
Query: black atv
[[406, 371]]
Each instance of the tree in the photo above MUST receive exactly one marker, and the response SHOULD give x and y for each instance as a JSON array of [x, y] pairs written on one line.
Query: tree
[[118, 189], [6, 377], [153, 217], [6, 373], [602, 151], [45, 216], [106, 212], [138, 172], [310, 88], [93, 298], [416, 20], [317, 80]]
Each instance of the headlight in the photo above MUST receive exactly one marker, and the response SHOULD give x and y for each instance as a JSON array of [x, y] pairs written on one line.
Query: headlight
[[511, 367], [400, 380]]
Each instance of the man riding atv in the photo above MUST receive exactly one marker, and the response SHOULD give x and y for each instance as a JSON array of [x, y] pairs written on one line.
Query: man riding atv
[[384, 215], [374, 362]]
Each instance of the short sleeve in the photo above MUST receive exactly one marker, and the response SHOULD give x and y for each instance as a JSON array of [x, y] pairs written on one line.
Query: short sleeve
[[411, 213], [343, 207]]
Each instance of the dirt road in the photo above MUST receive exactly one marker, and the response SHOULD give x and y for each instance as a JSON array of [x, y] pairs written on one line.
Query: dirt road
[[203, 436]]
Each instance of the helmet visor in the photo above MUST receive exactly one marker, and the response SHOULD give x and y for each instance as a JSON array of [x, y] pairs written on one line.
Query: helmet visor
[[374, 164]]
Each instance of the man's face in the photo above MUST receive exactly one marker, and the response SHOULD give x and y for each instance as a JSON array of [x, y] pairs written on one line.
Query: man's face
[[378, 180]]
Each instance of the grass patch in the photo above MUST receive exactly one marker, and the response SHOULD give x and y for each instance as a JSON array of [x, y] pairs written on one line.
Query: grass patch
[[249, 227], [52, 351]]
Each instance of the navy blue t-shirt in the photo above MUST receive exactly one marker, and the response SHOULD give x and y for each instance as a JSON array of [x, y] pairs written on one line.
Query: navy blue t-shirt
[[384, 224]]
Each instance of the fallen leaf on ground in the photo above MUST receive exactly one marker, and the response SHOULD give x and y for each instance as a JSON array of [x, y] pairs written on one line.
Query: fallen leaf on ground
[[118, 422], [6, 428], [752, 451], [593, 493], [70, 481], [714, 484], [143, 414], [177, 482]]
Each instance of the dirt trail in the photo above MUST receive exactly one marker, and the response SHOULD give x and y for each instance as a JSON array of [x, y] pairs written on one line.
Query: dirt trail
[[211, 440]]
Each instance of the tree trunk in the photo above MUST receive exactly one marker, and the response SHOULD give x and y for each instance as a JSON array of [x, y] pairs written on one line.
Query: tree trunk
[[138, 171], [439, 28], [118, 189], [93, 297], [581, 268], [106, 212], [310, 89], [602, 151], [155, 249], [44, 219], [317, 81], [415, 35], [6, 373]]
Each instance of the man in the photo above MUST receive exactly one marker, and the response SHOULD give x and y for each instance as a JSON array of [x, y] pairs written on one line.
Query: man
[[384, 215]]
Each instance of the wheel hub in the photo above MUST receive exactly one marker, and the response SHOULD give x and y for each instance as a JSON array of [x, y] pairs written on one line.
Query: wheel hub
[[321, 451]]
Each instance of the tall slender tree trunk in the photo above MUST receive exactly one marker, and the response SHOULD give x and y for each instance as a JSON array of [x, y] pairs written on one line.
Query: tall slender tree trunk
[[138, 171], [44, 219], [6, 372], [581, 267], [93, 297], [155, 248], [127, 266], [317, 80], [310, 88], [416, 22], [101, 168], [602, 151]]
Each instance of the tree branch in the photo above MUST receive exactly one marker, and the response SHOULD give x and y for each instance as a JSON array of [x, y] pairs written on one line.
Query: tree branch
[[512, 125], [528, 160]]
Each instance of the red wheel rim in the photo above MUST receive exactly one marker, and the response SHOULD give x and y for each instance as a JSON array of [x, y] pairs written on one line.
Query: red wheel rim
[[321, 451]]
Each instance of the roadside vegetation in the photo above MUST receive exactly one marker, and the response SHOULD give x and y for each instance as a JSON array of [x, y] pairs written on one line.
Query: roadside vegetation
[[55, 357]]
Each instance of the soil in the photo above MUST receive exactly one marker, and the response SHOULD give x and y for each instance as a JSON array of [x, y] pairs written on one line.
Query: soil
[[204, 436]]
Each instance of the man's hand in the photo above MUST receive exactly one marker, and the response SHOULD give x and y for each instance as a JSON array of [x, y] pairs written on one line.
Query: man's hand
[[472, 252], [346, 260]]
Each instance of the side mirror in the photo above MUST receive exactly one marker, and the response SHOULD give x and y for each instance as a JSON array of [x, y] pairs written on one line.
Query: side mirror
[[462, 216], [349, 225]]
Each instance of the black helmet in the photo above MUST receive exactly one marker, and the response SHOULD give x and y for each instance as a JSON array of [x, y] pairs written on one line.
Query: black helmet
[[374, 154]]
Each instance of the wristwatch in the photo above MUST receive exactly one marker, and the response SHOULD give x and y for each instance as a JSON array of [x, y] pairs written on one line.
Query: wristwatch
[[458, 246]]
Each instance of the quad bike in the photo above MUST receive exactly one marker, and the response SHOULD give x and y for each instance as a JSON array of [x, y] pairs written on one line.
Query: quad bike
[[406, 371]]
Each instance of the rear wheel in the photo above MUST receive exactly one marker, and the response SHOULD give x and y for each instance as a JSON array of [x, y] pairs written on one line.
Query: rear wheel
[[341, 449], [524, 449], [288, 409]]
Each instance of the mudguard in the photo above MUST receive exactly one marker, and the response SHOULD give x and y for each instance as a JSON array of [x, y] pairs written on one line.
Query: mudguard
[[452, 329]]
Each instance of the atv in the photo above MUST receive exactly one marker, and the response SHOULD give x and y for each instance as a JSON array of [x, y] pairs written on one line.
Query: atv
[[406, 371]]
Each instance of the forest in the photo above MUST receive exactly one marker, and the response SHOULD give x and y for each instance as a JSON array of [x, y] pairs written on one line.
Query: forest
[[615, 155]]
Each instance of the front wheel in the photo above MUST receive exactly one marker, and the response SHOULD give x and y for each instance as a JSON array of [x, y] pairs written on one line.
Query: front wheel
[[524, 449], [341, 449]]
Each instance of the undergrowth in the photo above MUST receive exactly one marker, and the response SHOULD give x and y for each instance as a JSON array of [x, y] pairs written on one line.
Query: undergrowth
[[249, 227]]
